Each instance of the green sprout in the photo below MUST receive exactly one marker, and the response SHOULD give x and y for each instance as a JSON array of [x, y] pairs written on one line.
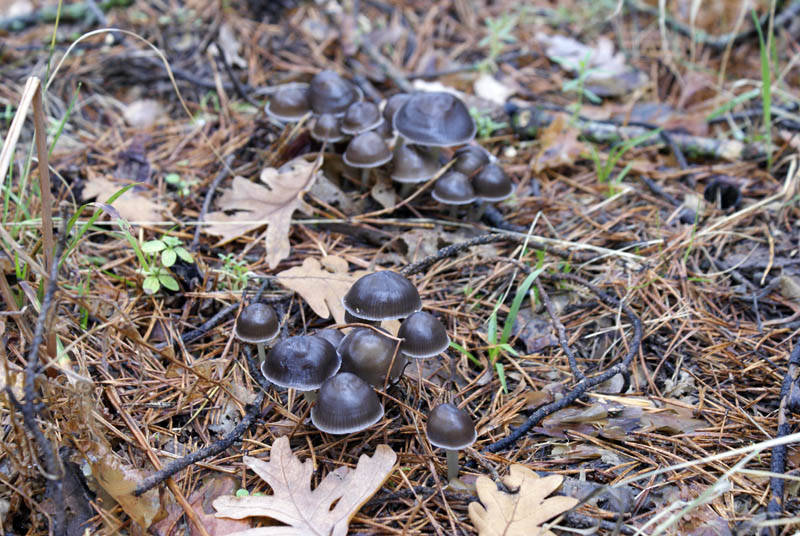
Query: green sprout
[[486, 126], [183, 186], [170, 249], [500, 33], [234, 271]]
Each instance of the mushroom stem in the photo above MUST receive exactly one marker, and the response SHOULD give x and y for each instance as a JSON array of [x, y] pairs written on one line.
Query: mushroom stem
[[477, 210], [365, 178], [262, 354], [453, 211], [310, 396], [405, 189], [452, 464]]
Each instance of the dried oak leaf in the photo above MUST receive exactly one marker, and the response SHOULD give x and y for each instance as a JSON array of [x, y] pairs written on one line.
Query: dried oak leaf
[[560, 145], [520, 513], [293, 502], [132, 205], [322, 284], [246, 206]]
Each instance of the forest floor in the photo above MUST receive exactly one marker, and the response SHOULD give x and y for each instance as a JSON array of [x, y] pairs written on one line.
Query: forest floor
[[625, 321]]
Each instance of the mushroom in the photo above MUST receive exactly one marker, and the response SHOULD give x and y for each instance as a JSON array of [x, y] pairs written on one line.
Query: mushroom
[[380, 296], [302, 362], [346, 404], [289, 103], [452, 429], [327, 129], [412, 165], [366, 151], [434, 119], [333, 336], [360, 117], [329, 93], [353, 319], [453, 189], [423, 336], [470, 159], [492, 184], [393, 104], [257, 324], [371, 356]]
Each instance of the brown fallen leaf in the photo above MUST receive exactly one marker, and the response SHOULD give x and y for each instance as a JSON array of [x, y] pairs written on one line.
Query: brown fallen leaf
[[560, 145], [321, 284], [293, 502], [246, 206], [521, 513], [132, 205]]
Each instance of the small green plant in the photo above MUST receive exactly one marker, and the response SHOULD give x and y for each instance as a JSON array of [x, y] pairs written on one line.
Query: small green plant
[[500, 33], [486, 126], [234, 272], [184, 187], [766, 85], [604, 169], [578, 85], [155, 258], [170, 249]]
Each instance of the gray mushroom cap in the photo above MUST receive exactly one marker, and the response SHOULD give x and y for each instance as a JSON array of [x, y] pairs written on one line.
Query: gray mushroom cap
[[450, 427], [423, 336], [453, 188], [360, 117], [257, 323], [329, 93], [289, 103], [302, 362], [411, 164], [383, 295], [368, 354], [435, 119], [393, 104], [327, 128], [470, 159], [492, 184], [346, 404], [367, 150]]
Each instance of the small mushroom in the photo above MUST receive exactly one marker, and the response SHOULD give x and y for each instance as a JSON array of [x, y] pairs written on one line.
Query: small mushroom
[[470, 159], [380, 296], [333, 336], [412, 165], [423, 336], [329, 93], [327, 129], [353, 319], [360, 117], [289, 103], [435, 119], [452, 429], [366, 151], [453, 189], [346, 404], [257, 324], [302, 362], [393, 104], [371, 356], [492, 184]]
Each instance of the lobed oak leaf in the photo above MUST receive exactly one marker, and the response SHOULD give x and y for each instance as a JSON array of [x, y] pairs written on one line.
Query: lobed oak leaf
[[307, 511], [521, 513], [321, 284], [246, 206]]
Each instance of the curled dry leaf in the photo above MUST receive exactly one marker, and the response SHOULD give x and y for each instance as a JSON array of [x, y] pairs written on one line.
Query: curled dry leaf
[[246, 206], [293, 501], [521, 513], [560, 145], [132, 205], [321, 284]]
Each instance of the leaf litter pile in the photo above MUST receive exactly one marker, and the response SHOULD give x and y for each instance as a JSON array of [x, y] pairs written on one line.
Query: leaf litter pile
[[623, 327]]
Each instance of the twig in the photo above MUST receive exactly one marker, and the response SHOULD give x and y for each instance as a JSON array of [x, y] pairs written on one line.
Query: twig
[[224, 172], [562, 332]]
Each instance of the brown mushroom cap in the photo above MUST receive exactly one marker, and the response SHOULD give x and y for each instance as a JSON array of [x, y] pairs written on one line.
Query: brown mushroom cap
[[350, 318], [470, 159], [360, 117], [327, 128], [423, 335], [492, 184], [412, 164], [453, 188], [346, 404], [383, 295], [368, 354], [257, 323], [367, 150], [435, 119], [329, 93], [450, 427], [393, 104], [289, 103], [302, 362]]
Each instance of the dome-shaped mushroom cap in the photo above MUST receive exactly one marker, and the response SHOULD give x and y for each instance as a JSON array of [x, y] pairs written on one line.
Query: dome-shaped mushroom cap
[[453, 188], [333, 336], [368, 354], [492, 184], [350, 318], [384, 295], [329, 93], [423, 335], [367, 150], [393, 104], [289, 103], [410, 164], [302, 362], [435, 119], [257, 323], [450, 427], [470, 159], [327, 128], [360, 117], [346, 404]]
